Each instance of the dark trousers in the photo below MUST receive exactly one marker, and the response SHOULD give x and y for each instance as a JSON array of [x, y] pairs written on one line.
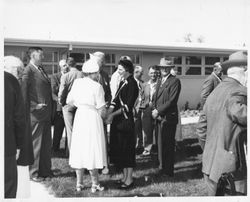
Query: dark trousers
[[240, 186], [166, 145], [10, 177], [58, 130], [41, 139], [69, 115], [138, 129]]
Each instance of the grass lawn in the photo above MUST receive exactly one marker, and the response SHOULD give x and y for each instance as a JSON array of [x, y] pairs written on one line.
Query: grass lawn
[[186, 182]]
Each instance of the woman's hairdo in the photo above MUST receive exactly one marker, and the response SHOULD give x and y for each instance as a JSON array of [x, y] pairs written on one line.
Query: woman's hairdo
[[128, 65]]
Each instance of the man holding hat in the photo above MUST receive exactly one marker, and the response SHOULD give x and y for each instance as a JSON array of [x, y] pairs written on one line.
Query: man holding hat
[[165, 113], [222, 127]]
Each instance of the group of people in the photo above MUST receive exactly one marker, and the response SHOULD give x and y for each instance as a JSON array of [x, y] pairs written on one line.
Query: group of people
[[136, 114]]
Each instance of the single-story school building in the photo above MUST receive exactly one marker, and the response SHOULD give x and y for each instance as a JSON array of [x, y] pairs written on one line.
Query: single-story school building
[[194, 61]]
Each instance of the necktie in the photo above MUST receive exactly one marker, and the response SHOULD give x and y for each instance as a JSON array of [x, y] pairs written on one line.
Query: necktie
[[43, 72]]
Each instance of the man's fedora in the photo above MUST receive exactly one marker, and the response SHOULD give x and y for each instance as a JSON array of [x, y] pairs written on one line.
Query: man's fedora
[[166, 62], [236, 59]]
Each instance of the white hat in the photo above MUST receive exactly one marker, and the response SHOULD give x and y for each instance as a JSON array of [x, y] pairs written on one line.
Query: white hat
[[90, 66]]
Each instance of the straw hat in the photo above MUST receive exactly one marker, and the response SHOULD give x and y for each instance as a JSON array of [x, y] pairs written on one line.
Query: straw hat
[[90, 66], [236, 59]]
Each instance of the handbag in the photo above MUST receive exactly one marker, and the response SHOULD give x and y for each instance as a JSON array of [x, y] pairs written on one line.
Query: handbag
[[226, 185], [125, 123]]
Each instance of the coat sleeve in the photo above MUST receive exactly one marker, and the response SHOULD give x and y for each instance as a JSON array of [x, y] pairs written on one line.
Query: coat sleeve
[[173, 97], [132, 93], [19, 114], [62, 90], [201, 129], [25, 84], [237, 108], [207, 88], [54, 88]]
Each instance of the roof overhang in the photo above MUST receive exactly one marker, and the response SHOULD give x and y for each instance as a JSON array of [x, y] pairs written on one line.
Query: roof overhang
[[172, 47]]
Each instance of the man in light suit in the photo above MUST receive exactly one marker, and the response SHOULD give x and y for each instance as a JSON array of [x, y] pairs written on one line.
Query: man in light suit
[[211, 82], [37, 95], [58, 119], [165, 112], [67, 81], [222, 127], [149, 89]]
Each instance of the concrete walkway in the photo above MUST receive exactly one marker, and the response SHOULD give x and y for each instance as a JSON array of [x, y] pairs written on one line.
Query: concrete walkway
[[39, 192]]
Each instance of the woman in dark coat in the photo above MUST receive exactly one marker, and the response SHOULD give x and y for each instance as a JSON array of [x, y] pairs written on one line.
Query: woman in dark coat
[[122, 136]]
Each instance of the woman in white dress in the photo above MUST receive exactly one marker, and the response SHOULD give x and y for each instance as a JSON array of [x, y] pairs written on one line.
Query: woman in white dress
[[88, 149]]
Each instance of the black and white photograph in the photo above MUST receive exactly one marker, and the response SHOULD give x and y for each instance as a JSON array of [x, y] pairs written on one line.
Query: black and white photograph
[[124, 99]]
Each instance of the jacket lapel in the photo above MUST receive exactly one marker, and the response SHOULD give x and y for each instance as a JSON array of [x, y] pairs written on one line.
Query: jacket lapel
[[163, 86], [38, 73]]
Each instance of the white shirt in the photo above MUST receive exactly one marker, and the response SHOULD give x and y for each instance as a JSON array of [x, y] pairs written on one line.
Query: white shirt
[[114, 83]]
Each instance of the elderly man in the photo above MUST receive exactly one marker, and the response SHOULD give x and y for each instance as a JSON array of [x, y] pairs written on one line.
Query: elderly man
[[222, 127], [211, 82], [14, 66], [37, 95], [58, 119], [14, 125], [165, 112], [67, 81], [104, 78], [138, 73]]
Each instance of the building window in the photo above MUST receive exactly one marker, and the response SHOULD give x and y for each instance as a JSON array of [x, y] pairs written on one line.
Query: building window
[[190, 70], [135, 59], [208, 70], [193, 60], [211, 60], [50, 62]]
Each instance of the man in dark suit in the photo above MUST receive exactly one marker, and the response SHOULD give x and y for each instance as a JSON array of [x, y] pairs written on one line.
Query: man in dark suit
[[210, 83], [222, 127], [58, 119], [14, 132], [37, 95], [65, 86], [166, 114], [149, 89]]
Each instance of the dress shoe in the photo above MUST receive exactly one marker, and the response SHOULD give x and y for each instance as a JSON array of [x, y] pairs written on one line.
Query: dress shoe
[[37, 179], [127, 187], [96, 188], [79, 187]]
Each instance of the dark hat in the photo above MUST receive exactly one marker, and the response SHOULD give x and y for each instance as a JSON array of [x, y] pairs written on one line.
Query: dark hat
[[236, 59], [165, 62]]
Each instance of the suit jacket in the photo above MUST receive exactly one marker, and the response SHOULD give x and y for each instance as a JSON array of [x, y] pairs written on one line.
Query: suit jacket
[[166, 97], [208, 86], [36, 89], [14, 122], [66, 84], [222, 129], [104, 81], [146, 92], [55, 84]]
